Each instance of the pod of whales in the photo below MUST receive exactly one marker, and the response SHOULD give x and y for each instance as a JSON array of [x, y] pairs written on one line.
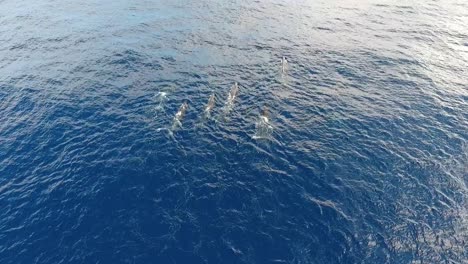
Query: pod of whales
[[263, 126]]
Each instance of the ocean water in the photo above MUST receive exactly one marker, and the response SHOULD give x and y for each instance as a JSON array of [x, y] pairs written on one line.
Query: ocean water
[[364, 158]]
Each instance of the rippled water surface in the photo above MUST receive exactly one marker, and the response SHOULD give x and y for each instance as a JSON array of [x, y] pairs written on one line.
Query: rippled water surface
[[364, 158]]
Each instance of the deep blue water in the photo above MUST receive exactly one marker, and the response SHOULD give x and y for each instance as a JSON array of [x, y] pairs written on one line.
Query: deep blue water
[[367, 160]]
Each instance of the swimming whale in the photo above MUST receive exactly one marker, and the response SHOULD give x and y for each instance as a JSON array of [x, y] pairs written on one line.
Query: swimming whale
[[284, 64], [179, 116], [210, 105], [263, 128], [232, 94], [265, 115]]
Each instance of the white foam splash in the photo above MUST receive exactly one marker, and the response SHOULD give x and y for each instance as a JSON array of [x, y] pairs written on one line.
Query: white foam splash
[[160, 99], [263, 128]]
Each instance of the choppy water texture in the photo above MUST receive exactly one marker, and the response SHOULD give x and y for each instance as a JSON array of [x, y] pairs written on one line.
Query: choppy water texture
[[366, 161]]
